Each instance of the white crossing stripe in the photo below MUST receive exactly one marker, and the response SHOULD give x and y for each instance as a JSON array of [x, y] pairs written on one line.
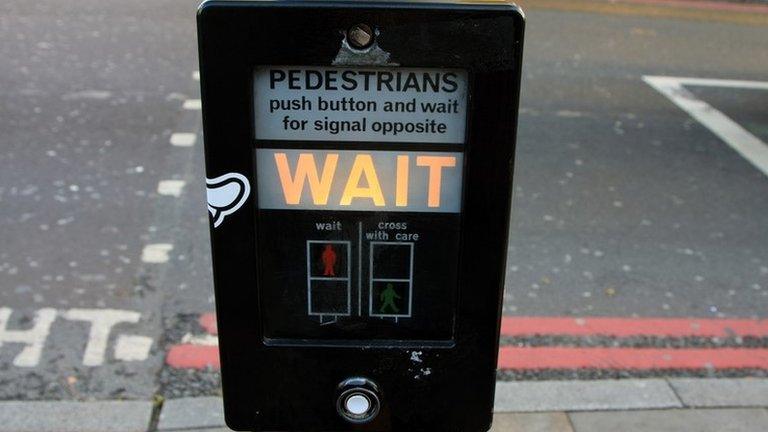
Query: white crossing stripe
[[170, 187], [183, 139], [192, 104], [745, 143], [156, 253]]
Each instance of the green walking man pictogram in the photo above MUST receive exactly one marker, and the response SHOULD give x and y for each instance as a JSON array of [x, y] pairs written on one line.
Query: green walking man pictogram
[[388, 297]]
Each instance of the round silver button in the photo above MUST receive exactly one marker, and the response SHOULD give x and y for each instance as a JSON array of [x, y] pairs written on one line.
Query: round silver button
[[358, 400], [357, 404]]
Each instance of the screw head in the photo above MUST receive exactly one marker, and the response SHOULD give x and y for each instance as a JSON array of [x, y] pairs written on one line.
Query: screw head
[[360, 36]]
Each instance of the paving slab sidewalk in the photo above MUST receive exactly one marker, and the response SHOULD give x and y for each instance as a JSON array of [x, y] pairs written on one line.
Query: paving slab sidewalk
[[62, 416], [187, 413], [531, 396], [739, 392], [548, 397], [698, 420], [554, 406]]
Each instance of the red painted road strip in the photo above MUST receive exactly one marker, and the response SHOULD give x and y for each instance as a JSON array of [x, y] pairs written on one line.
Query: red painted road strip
[[706, 5], [625, 327], [208, 322], [631, 358], [193, 357], [536, 358]]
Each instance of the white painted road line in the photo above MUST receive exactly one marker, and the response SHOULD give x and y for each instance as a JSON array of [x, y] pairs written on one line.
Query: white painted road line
[[156, 253], [745, 143], [102, 321], [708, 82], [192, 104], [132, 348], [33, 338], [204, 340], [183, 139], [170, 187]]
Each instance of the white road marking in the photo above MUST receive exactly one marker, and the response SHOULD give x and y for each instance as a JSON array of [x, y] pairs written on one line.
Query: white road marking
[[192, 104], [196, 75], [183, 139], [132, 347], [745, 143], [204, 340], [102, 321], [127, 347], [34, 338], [88, 94], [156, 253], [170, 187], [708, 82]]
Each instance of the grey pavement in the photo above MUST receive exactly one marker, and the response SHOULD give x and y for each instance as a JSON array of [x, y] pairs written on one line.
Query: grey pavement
[[553, 406], [185, 413], [584, 395], [702, 420], [745, 392], [104, 416], [633, 405], [531, 422], [680, 420]]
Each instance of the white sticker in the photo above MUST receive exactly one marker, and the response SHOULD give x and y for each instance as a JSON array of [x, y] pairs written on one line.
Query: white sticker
[[360, 104], [226, 194]]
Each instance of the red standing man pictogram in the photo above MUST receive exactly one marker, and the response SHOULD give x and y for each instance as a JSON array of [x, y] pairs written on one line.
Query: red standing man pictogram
[[329, 261]]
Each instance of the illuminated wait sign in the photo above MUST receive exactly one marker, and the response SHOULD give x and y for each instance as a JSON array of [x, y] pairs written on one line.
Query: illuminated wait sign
[[359, 180]]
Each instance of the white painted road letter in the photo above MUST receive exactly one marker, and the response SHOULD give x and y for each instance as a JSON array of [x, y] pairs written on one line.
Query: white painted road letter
[[102, 321], [34, 338]]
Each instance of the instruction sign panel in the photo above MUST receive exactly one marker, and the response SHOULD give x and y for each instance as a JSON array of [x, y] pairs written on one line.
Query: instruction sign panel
[[360, 104], [359, 183]]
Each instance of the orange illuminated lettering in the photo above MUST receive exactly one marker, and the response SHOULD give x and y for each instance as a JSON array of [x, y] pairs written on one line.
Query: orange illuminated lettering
[[363, 167], [306, 170], [436, 165], [401, 185]]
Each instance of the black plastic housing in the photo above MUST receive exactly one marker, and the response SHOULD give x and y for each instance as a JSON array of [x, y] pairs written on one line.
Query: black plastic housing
[[293, 387]]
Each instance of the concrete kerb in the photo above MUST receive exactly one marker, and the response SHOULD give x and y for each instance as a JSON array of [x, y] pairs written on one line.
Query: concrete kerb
[[511, 397]]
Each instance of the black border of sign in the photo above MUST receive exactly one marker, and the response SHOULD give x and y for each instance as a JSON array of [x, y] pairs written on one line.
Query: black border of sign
[[294, 388]]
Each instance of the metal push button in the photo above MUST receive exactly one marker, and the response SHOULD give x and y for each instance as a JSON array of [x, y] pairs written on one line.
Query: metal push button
[[358, 400], [357, 404]]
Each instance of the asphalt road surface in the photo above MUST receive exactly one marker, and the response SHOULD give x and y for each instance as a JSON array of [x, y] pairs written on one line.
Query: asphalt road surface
[[625, 205]]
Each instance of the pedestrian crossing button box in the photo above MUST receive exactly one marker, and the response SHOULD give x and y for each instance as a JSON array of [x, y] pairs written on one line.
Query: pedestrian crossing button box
[[359, 161]]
